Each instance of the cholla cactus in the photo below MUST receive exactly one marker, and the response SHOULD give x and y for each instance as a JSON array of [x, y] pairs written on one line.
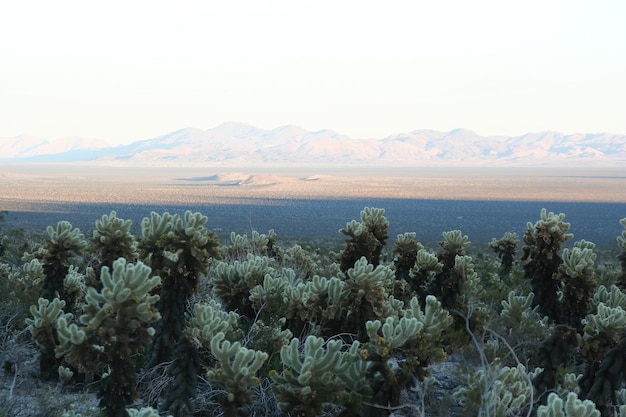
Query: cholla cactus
[[608, 379], [323, 373], [112, 239], [116, 318], [183, 371], [369, 298], [209, 319], [446, 285], [516, 308], [602, 333], [542, 242], [320, 300], [26, 281], [270, 297], [405, 255], [579, 282], [571, 407], [63, 242], [497, 391], [75, 287], [365, 238], [258, 244], [179, 250], [302, 262], [521, 322], [206, 321], [232, 282], [413, 339], [424, 272], [505, 248], [610, 297], [607, 320], [235, 372], [554, 356], [454, 242], [621, 241], [142, 412], [43, 328]]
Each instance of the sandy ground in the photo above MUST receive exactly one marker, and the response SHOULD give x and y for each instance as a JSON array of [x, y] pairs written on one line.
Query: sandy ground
[[23, 185]]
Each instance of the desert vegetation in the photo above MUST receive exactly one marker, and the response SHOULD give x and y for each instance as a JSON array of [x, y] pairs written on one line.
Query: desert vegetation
[[170, 320]]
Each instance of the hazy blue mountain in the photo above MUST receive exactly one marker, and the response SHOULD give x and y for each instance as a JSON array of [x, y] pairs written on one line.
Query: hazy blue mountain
[[238, 143]]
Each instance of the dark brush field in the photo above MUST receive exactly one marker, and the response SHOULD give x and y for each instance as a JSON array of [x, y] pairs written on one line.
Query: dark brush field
[[314, 203]]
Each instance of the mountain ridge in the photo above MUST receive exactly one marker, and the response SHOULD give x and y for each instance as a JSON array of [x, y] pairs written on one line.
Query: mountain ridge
[[233, 143]]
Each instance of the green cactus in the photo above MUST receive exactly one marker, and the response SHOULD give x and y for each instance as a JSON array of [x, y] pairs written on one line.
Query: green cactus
[[366, 238], [423, 274], [179, 251], [446, 285], [415, 340], [209, 319], [117, 317], [321, 300], [516, 308], [621, 241], [63, 242], [542, 242], [521, 324], [112, 239], [304, 263], [183, 370], [75, 286], [497, 391], [270, 297], [554, 356], [205, 323], [258, 245], [610, 297], [505, 248], [21, 286], [603, 331], [609, 378], [236, 372], [368, 295], [143, 412], [322, 373], [578, 282], [232, 282], [571, 407], [43, 328], [405, 255], [30, 276]]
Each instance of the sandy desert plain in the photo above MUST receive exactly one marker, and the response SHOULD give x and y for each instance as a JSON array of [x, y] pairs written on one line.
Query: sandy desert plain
[[314, 202], [24, 185]]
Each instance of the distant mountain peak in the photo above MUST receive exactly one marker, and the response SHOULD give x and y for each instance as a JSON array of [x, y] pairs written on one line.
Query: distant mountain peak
[[235, 143]]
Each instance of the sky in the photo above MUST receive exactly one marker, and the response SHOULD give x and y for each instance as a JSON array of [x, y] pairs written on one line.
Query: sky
[[121, 71]]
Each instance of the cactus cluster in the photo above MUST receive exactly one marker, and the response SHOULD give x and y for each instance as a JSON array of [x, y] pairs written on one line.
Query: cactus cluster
[[112, 239], [542, 243], [497, 391], [63, 242], [250, 325], [505, 248], [179, 250], [571, 407], [366, 238], [321, 373], [621, 241], [577, 277]]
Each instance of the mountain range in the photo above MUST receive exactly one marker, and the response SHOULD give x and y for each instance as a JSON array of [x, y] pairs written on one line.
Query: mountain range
[[234, 143]]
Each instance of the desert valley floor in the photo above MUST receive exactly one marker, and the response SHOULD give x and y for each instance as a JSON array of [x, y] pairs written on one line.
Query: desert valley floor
[[312, 201]]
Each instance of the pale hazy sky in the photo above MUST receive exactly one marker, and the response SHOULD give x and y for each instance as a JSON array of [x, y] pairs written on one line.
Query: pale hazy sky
[[129, 70]]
